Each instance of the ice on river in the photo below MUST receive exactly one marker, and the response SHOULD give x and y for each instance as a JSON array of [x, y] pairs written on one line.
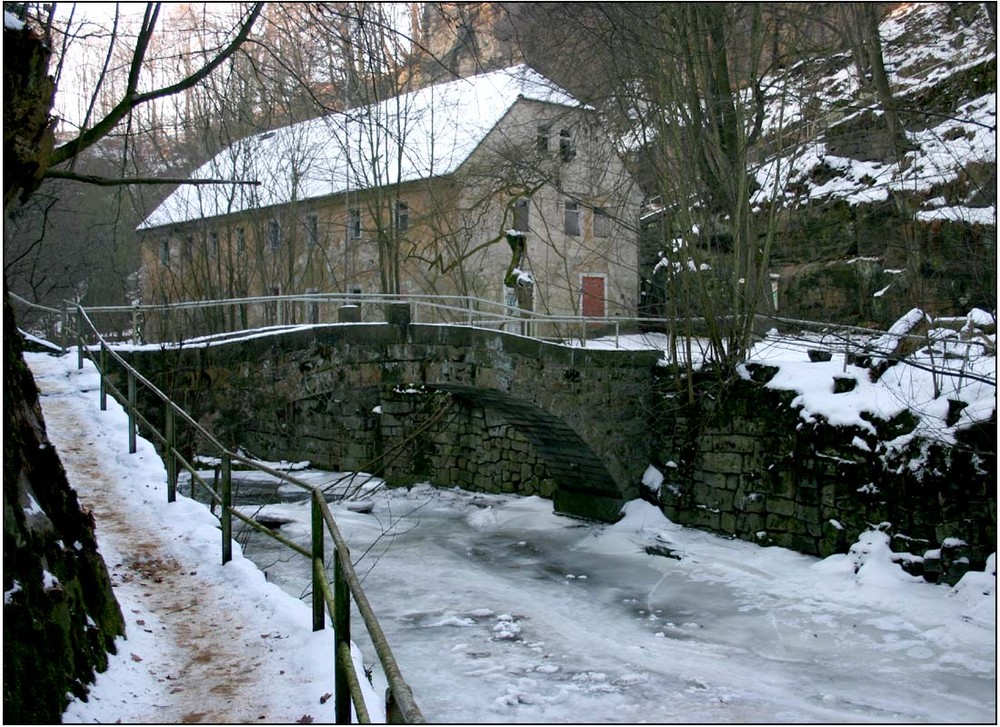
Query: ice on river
[[499, 610]]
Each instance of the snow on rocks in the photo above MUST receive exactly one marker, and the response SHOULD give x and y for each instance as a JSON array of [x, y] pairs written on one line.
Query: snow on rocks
[[506, 628]]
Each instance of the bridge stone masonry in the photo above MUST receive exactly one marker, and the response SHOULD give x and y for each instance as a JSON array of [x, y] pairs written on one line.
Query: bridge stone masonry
[[480, 409]]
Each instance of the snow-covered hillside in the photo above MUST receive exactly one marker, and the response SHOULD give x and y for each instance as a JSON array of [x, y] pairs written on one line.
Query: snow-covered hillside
[[942, 71]]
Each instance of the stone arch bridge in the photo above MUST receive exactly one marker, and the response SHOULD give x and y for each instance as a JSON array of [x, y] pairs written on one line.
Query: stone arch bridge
[[484, 410]]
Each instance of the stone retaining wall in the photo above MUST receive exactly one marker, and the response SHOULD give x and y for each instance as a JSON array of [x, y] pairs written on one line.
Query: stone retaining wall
[[741, 461]]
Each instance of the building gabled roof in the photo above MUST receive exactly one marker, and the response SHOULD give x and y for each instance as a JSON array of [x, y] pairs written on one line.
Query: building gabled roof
[[418, 135]]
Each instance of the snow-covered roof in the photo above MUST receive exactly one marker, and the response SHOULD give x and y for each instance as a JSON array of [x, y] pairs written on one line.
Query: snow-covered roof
[[417, 135]]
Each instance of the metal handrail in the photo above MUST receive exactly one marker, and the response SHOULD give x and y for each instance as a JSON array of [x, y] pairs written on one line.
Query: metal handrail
[[491, 315], [466, 306], [400, 704]]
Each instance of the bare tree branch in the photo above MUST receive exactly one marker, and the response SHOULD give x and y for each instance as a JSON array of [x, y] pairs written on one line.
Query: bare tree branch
[[132, 99]]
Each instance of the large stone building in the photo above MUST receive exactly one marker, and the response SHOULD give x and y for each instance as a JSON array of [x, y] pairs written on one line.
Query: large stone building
[[417, 194]]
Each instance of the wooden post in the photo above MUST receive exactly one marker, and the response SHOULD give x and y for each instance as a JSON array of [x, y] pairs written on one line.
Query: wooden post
[[342, 635], [135, 325], [131, 412], [225, 516], [393, 714], [318, 603], [170, 434], [104, 373]]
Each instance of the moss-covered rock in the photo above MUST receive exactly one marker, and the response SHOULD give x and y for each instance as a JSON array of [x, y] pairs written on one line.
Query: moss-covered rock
[[60, 614]]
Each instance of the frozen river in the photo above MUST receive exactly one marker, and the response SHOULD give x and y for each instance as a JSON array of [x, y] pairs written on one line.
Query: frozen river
[[500, 611]]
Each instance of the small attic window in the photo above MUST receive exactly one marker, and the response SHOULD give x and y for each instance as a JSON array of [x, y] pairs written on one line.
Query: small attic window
[[567, 149], [268, 135], [521, 215], [542, 140]]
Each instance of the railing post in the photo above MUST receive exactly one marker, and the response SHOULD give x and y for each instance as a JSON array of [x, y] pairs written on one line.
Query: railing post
[[226, 517], [318, 603], [104, 373], [393, 714], [79, 338], [170, 434], [342, 635], [64, 319], [131, 413], [135, 325]]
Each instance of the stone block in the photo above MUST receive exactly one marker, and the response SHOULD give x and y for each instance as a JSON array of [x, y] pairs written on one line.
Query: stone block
[[727, 523], [780, 506], [704, 517], [748, 524], [722, 462], [715, 480]]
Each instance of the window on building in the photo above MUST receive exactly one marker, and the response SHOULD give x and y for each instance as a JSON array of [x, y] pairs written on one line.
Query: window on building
[[189, 247], [213, 243], [274, 234], [567, 149], [165, 251], [521, 215], [402, 217], [572, 218], [312, 230], [602, 223], [542, 140], [354, 224], [241, 241]]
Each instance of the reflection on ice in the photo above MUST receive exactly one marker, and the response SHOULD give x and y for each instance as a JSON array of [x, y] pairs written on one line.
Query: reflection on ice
[[499, 610]]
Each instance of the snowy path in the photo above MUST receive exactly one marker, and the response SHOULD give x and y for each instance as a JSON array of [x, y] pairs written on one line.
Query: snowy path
[[205, 642]]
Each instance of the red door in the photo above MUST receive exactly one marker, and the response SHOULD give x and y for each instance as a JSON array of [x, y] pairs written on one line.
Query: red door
[[593, 296]]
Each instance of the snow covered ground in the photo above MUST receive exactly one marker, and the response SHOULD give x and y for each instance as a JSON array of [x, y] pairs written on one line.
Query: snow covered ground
[[499, 610]]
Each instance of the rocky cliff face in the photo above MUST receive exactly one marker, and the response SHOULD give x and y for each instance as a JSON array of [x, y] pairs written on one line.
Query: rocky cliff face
[[60, 616]]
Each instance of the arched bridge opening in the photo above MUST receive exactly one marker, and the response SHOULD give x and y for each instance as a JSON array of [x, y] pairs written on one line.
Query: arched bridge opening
[[484, 439]]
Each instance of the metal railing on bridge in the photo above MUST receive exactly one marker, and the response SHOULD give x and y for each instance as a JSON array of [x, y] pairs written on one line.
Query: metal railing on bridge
[[190, 321], [333, 598]]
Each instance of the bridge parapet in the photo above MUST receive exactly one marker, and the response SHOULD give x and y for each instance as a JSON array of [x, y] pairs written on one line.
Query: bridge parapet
[[315, 394]]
